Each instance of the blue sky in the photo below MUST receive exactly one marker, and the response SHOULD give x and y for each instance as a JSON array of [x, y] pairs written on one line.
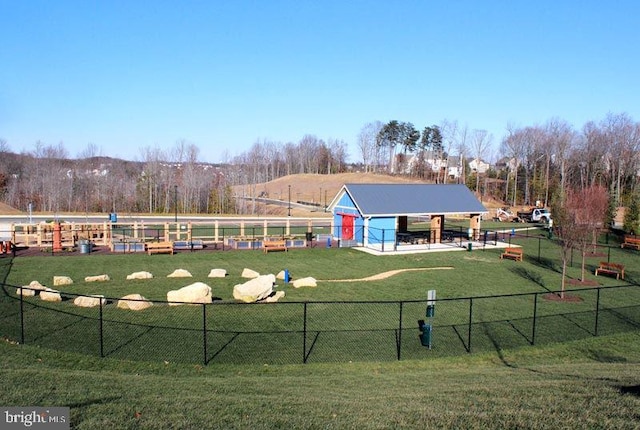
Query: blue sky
[[126, 75]]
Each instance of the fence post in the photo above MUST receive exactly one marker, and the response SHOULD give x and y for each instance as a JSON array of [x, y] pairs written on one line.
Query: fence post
[[304, 334], [395, 243], [535, 317], [101, 331], [539, 245], [204, 332], [470, 322], [399, 339], [597, 311], [22, 316]]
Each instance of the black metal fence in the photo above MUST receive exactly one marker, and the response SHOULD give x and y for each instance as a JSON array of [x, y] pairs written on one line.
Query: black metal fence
[[303, 332]]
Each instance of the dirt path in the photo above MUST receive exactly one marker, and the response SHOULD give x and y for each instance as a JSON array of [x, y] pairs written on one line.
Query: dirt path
[[385, 275]]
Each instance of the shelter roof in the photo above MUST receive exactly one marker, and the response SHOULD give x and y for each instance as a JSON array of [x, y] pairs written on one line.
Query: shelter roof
[[411, 199]]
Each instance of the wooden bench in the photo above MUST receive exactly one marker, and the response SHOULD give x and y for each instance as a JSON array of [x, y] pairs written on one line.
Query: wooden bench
[[274, 245], [631, 242], [514, 253], [613, 269], [160, 248]]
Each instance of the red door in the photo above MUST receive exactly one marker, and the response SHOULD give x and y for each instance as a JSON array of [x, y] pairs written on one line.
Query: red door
[[347, 227]]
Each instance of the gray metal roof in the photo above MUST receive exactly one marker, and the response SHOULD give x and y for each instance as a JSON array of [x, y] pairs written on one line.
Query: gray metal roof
[[413, 199]]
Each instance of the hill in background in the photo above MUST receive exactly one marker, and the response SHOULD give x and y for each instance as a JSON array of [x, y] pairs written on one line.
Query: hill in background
[[310, 188], [8, 210]]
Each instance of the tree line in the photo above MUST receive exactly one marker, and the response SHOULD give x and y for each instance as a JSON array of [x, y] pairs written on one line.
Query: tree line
[[162, 181], [534, 163]]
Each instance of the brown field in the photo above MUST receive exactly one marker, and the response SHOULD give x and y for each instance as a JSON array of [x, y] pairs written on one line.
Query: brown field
[[8, 210], [311, 188]]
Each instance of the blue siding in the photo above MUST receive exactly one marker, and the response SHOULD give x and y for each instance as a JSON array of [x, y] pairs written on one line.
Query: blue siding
[[382, 229]]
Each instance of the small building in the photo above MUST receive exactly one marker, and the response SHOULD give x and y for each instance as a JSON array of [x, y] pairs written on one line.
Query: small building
[[376, 215]]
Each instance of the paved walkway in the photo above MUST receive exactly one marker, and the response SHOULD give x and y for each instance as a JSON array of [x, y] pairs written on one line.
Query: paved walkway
[[435, 247]]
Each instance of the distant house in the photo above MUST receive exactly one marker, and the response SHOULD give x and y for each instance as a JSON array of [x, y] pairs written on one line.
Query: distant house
[[373, 215], [506, 163], [451, 164], [478, 165]]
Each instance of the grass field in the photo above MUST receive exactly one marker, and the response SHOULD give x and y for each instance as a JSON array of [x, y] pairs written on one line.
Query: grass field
[[588, 384], [584, 382]]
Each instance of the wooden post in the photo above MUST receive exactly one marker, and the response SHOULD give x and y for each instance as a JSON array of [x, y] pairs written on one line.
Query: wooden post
[[474, 224], [57, 237], [437, 225]]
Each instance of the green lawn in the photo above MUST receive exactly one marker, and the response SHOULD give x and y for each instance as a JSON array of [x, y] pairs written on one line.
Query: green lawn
[[587, 384], [153, 376], [334, 322]]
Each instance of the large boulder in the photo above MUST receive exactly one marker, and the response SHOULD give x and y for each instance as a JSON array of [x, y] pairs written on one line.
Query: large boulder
[[305, 282], [248, 273], [195, 293], [179, 273], [62, 280], [49, 295], [25, 292], [97, 278], [217, 273], [89, 301], [134, 302], [36, 285], [30, 290], [140, 275], [274, 297], [254, 289]]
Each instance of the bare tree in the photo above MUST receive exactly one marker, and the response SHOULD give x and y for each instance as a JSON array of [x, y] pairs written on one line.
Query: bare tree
[[561, 139], [480, 141], [450, 134], [462, 147], [513, 147], [567, 231], [588, 218], [367, 144]]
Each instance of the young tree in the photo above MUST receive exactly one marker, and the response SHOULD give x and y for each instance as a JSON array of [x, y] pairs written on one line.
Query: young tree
[[589, 209], [578, 221], [565, 228]]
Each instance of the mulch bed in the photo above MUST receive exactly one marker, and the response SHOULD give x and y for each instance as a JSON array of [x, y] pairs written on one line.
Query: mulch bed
[[570, 298]]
